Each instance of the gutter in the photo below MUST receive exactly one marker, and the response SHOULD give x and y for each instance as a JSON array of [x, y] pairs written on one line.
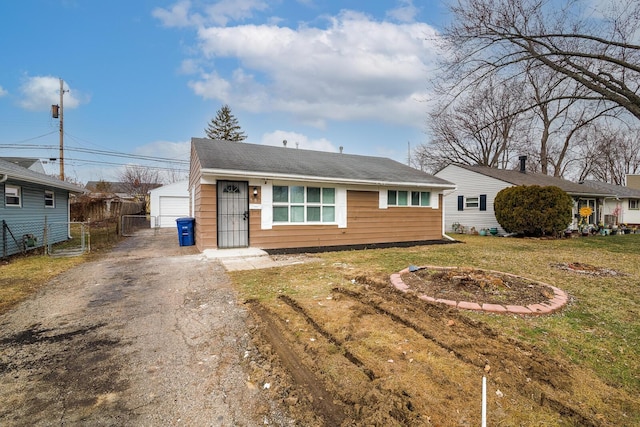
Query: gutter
[[4, 178]]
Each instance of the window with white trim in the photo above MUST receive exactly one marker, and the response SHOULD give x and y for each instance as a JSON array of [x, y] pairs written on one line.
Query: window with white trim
[[298, 204], [408, 198], [634, 204], [12, 195], [49, 199], [472, 202]]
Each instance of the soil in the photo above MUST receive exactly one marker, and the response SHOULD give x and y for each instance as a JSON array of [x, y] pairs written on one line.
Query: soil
[[479, 286]]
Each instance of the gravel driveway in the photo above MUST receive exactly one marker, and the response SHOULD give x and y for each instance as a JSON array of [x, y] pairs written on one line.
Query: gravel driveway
[[151, 334]]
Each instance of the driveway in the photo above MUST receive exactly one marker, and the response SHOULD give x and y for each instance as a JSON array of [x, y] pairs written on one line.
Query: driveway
[[151, 334]]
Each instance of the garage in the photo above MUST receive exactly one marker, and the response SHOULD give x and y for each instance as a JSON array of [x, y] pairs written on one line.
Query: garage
[[168, 203]]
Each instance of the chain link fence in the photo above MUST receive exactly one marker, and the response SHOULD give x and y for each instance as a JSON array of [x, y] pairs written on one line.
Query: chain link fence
[[56, 238]]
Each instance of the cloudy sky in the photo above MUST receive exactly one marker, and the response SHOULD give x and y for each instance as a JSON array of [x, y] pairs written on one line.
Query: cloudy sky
[[145, 76]]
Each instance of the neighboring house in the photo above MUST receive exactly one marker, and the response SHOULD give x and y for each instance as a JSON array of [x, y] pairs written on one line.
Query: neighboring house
[[168, 203], [471, 203], [30, 202], [275, 197], [121, 190], [622, 206], [27, 163]]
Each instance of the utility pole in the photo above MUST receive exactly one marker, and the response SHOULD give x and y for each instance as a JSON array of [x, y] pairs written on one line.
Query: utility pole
[[61, 131]]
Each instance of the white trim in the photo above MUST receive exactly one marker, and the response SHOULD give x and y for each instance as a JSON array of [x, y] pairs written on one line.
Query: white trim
[[266, 216], [341, 207], [214, 174]]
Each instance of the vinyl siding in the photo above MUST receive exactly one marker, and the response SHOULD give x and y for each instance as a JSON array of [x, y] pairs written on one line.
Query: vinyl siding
[[470, 184], [31, 216]]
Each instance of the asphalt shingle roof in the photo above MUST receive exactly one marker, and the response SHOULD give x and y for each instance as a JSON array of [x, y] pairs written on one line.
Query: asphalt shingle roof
[[22, 174], [298, 163], [616, 190], [516, 177]]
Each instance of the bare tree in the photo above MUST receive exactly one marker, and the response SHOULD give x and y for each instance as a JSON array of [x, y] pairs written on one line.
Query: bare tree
[[139, 180], [480, 128], [595, 48], [614, 154], [559, 116]]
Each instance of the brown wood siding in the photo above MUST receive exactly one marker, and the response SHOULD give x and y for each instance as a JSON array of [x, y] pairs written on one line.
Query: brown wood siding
[[366, 224], [206, 226]]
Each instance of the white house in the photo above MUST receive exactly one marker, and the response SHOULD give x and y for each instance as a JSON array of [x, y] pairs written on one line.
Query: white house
[[169, 202], [471, 203], [622, 206]]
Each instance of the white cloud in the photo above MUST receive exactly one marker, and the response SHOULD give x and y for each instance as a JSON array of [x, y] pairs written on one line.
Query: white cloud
[[297, 140], [218, 13], [224, 11], [3, 92], [406, 12], [356, 68], [178, 16], [40, 92]]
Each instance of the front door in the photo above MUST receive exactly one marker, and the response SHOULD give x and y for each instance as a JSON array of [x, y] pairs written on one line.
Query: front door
[[233, 214]]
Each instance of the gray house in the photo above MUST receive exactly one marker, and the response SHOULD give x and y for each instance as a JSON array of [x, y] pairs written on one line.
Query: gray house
[[32, 203]]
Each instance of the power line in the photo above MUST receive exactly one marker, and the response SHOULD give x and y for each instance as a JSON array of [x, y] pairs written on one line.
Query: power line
[[97, 152]]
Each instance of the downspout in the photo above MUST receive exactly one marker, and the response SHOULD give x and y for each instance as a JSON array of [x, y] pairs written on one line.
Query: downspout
[[4, 178]]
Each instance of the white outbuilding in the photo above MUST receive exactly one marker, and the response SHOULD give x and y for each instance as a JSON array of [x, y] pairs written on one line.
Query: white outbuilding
[[169, 202]]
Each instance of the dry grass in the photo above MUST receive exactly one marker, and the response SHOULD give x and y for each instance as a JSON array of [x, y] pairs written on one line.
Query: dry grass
[[22, 276], [595, 337]]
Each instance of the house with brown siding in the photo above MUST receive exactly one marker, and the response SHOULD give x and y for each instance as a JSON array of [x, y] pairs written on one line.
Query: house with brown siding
[[249, 195]]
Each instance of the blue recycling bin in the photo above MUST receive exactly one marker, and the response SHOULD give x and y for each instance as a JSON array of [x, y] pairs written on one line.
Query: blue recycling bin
[[185, 231]]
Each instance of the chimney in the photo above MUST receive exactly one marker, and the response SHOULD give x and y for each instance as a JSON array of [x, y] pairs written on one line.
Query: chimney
[[523, 164], [284, 142]]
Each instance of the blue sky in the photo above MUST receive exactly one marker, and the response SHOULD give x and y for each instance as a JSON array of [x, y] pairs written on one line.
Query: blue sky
[[145, 76]]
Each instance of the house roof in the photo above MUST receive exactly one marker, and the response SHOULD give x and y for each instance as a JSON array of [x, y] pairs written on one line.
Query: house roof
[[19, 173], [268, 162], [516, 177], [619, 191]]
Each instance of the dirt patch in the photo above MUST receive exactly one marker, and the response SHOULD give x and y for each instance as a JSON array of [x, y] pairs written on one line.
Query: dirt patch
[[387, 358], [588, 269], [479, 286]]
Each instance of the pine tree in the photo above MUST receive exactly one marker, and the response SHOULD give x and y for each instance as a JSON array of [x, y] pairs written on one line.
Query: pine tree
[[225, 126]]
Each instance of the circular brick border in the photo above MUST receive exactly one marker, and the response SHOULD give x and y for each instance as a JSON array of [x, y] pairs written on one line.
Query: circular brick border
[[552, 305]]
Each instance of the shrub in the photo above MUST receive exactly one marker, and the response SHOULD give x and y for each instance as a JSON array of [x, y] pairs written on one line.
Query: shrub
[[533, 210]]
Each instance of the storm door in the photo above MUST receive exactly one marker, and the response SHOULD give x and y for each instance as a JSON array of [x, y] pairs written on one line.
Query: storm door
[[233, 214]]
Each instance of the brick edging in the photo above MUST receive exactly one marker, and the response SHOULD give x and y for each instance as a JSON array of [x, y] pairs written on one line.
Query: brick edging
[[559, 300]]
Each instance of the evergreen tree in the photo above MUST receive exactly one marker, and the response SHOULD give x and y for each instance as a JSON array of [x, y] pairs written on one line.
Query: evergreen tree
[[225, 126]]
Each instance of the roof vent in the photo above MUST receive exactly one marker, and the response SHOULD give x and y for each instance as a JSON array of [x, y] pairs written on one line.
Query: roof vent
[[284, 142], [341, 148]]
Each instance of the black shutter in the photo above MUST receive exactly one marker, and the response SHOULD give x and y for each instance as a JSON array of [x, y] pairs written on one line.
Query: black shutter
[[460, 203], [483, 202]]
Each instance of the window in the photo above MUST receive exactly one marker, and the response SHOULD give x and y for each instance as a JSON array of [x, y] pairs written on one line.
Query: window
[[299, 204], [12, 195], [634, 204], [408, 198], [49, 199], [472, 202]]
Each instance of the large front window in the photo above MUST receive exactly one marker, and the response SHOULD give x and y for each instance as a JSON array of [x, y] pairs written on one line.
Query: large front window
[[300, 204]]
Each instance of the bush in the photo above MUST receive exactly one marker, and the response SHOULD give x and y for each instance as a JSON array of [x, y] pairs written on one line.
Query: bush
[[533, 210]]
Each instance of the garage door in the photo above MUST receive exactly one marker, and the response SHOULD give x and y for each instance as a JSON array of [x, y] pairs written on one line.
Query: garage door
[[172, 207]]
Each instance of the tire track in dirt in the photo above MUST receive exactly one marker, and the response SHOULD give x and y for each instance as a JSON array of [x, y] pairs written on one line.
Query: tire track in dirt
[[544, 400], [321, 400]]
